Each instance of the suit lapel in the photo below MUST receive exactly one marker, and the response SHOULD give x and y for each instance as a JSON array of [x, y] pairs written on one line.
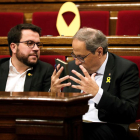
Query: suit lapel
[[4, 70], [108, 73], [28, 80]]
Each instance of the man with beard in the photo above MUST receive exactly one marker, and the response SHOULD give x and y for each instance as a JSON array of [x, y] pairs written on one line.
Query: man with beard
[[112, 80], [24, 71]]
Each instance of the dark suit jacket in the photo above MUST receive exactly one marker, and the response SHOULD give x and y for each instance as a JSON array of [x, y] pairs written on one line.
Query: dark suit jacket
[[120, 98], [39, 80]]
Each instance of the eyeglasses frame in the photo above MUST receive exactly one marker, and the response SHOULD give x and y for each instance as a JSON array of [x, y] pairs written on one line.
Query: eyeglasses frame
[[74, 56], [33, 45]]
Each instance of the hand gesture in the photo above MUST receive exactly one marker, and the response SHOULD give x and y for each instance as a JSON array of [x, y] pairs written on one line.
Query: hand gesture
[[87, 83], [56, 81]]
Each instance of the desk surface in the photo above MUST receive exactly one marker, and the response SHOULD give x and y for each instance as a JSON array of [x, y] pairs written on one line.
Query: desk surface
[[42, 115], [44, 96]]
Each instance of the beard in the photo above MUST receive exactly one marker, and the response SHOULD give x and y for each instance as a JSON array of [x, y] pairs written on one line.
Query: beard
[[25, 58]]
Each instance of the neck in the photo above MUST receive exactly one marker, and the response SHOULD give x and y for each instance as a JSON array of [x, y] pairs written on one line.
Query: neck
[[20, 67]]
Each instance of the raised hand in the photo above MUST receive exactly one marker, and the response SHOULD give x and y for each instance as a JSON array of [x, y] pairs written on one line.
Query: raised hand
[[56, 81], [86, 83]]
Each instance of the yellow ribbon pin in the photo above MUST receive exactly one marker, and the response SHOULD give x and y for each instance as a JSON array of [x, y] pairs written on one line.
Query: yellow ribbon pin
[[29, 74], [108, 80]]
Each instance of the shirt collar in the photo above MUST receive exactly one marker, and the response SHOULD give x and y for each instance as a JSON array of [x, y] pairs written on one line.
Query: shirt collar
[[12, 68], [102, 68]]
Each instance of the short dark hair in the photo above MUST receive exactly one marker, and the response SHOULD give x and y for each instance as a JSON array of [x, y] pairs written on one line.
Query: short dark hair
[[15, 35], [93, 39]]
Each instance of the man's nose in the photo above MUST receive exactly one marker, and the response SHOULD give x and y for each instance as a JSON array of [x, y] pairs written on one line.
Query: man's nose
[[77, 62]]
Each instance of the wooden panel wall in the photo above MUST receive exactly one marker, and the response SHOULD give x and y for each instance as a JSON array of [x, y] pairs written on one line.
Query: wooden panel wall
[[119, 45], [30, 6]]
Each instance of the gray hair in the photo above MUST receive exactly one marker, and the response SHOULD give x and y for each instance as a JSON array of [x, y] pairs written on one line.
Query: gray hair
[[93, 39]]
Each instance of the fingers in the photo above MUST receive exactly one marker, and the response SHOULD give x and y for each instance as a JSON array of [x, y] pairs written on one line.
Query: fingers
[[78, 75], [64, 85], [93, 76], [75, 80], [85, 82], [63, 78], [84, 71], [56, 81], [77, 87], [59, 71], [55, 71], [61, 85]]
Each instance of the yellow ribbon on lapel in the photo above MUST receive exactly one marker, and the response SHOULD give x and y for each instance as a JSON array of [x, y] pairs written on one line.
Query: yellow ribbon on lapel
[[29, 74], [108, 79]]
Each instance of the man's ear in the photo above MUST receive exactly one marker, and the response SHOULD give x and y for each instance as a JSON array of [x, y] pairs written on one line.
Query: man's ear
[[13, 47], [100, 51]]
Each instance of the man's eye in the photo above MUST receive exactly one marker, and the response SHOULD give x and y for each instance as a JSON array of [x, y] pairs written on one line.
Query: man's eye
[[38, 44], [80, 58], [30, 43]]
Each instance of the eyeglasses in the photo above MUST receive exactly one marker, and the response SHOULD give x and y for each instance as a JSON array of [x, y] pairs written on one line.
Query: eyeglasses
[[31, 44], [81, 59]]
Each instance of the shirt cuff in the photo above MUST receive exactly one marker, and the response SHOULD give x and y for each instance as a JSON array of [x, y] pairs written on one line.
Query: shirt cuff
[[98, 96]]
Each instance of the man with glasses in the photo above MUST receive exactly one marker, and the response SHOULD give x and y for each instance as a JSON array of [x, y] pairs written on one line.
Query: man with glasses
[[24, 71], [112, 80]]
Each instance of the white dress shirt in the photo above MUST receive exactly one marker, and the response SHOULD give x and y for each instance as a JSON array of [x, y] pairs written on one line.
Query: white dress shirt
[[92, 114], [15, 80]]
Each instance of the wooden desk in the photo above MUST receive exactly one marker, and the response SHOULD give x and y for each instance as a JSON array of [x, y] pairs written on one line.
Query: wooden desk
[[42, 115]]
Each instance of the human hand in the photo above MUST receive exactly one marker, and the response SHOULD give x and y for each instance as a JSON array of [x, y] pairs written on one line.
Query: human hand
[[56, 81], [87, 83]]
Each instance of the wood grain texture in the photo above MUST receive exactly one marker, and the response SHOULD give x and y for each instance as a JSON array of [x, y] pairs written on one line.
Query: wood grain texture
[[119, 45]]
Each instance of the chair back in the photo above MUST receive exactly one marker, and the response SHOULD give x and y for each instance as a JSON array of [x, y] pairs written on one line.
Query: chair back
[[46, 21], [9, 20], [51, 58], [128, 23], [94, 19]]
